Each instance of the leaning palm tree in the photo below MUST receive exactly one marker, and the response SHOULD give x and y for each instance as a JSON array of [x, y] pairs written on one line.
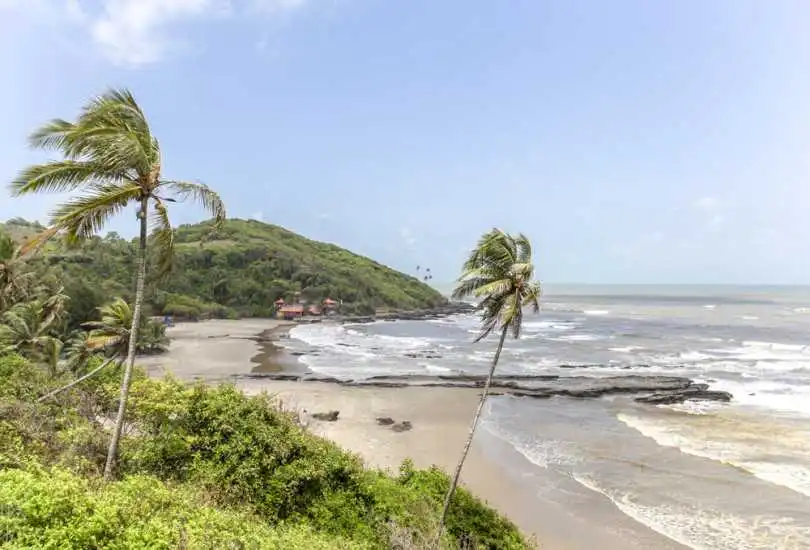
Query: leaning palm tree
[[111, 161], [499, 272]]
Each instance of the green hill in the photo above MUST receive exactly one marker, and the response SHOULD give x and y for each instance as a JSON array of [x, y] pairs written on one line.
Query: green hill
[[239, 271]]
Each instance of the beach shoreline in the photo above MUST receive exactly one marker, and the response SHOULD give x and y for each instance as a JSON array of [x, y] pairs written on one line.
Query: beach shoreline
[[439, 419], [215, 351]]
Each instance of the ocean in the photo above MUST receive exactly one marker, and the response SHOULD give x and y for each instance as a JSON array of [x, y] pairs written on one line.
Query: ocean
[[707, 476]]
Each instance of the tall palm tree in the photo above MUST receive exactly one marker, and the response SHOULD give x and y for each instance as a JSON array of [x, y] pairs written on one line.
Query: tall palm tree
[[500, 273], [112, 161]]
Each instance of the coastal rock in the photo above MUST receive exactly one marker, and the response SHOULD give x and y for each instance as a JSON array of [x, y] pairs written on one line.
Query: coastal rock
[[402, 426], [651, 389], [689, 394], [385, 421], [330, 416]]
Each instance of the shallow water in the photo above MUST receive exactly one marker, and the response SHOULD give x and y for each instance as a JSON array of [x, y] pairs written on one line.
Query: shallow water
[[706, 476]]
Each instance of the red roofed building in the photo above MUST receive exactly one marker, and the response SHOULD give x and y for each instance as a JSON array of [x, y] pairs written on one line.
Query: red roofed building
[[290, 312]]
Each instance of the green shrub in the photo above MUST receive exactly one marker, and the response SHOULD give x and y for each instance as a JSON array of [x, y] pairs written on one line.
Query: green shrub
[[198, 461], [57, 509]]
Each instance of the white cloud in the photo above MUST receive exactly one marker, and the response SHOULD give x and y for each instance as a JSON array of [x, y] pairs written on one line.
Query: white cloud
[[136, 32], [139, 32]]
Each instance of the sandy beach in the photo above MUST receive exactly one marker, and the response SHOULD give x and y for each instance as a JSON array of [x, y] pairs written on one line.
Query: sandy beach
[[219, 351], [216, 350]]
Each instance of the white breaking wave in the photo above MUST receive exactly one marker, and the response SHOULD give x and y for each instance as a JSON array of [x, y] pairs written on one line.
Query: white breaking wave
[[596, 312], [705, 528], [775, 452]]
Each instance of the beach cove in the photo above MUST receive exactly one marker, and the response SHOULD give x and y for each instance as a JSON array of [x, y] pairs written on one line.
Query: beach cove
[[237, 351]]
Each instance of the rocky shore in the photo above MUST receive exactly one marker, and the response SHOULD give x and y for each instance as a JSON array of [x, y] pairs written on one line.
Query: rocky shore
[[653, 390], [450, 308]]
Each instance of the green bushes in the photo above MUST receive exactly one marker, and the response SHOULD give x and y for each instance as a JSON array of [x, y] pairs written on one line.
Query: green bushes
[[206, 467], [57, 509]]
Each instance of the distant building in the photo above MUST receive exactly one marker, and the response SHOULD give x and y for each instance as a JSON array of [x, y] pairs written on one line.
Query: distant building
[[290, 312], [329, 306]]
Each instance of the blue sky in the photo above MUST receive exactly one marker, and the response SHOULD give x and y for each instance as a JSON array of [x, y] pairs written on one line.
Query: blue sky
[[633, 141]]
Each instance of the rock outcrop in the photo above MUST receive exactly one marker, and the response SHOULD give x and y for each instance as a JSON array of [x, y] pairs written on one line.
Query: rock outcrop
[[648, 389]]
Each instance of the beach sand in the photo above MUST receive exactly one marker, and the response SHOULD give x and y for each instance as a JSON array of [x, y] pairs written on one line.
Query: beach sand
[[219, 351]]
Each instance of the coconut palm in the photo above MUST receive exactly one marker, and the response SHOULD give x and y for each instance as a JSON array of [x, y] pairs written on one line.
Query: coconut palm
[[498, 272], [112, 161], [109, 336], [28, 328]]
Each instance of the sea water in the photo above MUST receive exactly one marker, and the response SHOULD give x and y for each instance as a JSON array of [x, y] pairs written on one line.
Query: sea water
[[704, 475]]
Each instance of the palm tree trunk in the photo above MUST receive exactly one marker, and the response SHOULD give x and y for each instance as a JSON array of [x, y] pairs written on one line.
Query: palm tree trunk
[[467, 446], [77, 381], [133, 340]]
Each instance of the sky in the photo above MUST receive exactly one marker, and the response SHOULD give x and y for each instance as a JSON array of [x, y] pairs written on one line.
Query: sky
[[632, 141]]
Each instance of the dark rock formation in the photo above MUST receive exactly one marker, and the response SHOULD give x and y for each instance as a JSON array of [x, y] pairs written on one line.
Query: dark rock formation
[[330, 416], [402, 426], [689, 394], [450, 308], [385, 421], [650, 389]]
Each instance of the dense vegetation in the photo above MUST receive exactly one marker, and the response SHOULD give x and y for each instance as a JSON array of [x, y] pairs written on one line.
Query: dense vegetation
[[204, 467], [240, 270]]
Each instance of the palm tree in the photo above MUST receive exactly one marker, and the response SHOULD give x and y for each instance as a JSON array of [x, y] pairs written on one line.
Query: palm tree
[[28, 328], [499, 272], [112, 160], [109, 336]]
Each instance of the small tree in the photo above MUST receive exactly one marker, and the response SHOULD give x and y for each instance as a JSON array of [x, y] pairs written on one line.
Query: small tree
[[499, 272]]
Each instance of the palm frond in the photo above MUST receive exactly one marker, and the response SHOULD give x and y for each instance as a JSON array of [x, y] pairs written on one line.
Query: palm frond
[[85, 215], [163, 236], [52, 136], [126, 127], [61, 176], [499, 271], [201, 194]]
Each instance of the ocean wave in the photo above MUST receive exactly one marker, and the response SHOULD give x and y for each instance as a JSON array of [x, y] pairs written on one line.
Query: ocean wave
[[772, 451], [577, 338], [596, 312], [703, 528]]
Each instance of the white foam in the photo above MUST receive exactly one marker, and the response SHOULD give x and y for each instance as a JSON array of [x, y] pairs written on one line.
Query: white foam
[[710, 306], [777, 453], [693, 356], [436, 368], [577, 338], [626, 349], [596, 312], [703, 528]]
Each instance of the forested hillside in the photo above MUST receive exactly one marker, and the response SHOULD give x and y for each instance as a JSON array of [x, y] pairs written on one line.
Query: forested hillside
[[240, 270]]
